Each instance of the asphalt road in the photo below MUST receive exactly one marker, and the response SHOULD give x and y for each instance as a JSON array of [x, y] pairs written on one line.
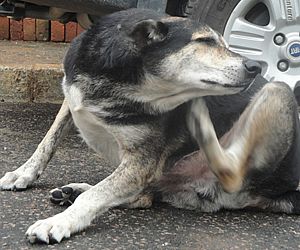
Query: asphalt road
[[22, 126]]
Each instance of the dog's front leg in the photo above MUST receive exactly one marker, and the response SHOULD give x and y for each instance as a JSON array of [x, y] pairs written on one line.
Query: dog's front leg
[[128, 180], [25, 175]]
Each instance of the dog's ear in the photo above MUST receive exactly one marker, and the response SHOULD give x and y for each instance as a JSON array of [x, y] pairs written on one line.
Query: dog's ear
[[147, 32]]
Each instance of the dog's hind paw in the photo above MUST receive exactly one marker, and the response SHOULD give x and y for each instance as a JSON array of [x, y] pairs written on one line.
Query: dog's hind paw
[[66, 195], [15, 181], [49, 231]]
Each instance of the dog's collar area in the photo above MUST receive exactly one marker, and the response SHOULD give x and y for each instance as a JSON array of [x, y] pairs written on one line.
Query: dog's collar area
[[259, 79]]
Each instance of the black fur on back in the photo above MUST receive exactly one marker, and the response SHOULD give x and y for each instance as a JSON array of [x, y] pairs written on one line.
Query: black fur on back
[[115, 56], [107, 48]]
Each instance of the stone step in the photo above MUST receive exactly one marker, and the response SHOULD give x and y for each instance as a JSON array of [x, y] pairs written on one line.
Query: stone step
[[31, 71]]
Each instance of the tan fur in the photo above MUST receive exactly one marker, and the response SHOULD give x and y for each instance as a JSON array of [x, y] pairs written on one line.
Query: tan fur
[[229, 158]]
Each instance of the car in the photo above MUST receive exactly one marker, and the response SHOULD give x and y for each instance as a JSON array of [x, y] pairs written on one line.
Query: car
[[267, 31]]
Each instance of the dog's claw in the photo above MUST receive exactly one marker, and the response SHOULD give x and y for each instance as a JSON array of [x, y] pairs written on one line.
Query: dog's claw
[[36, 237], [7, 181], [49, 231], [31, 238], [17, 180]]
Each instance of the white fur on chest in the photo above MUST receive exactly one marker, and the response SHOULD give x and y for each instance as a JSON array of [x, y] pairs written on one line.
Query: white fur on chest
[[91, 128]]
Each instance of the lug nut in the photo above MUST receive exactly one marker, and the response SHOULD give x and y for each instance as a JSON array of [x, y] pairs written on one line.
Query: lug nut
[[279, 39], [283, 65]]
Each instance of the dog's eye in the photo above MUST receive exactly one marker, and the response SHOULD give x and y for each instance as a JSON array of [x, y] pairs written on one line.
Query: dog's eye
[[207, 40]]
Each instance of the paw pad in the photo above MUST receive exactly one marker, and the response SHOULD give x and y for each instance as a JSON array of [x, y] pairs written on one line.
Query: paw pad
[[64, 196]]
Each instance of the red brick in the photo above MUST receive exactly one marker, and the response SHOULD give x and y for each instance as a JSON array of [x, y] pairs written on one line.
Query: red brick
[[79, 29], [29, 29], [42, 30], [71, 31], [4, 28], [57, 31], [16, 30]]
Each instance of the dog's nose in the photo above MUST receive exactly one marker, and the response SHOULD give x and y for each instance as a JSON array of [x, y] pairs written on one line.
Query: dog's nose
[[252, 67]]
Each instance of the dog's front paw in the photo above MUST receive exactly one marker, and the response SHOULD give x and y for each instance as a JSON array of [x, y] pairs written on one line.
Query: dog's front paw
[[16, 181], [51, 230]]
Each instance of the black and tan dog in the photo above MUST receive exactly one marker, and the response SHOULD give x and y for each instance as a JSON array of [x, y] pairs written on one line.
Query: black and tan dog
[[134, 85]]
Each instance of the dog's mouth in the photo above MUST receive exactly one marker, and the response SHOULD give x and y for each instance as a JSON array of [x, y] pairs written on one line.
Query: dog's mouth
[[244, 85]]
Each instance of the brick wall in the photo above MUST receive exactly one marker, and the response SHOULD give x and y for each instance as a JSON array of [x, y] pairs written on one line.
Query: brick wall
[[30, 29]]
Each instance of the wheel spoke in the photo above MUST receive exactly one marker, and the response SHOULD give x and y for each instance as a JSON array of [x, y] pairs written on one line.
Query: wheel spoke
[[283, 10], [247, 38], [257, 41]]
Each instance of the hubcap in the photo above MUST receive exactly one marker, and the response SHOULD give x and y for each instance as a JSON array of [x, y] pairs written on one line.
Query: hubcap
[[268, 31]]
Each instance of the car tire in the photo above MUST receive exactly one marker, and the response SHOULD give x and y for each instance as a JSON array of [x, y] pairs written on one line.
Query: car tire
[[213, 12]]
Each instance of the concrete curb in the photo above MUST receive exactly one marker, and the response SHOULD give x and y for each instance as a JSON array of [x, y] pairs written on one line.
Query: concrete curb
[[31, 72], [31, 84]]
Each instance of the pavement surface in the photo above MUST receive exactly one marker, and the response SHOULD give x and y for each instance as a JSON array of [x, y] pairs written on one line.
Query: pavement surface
[[22, 126]]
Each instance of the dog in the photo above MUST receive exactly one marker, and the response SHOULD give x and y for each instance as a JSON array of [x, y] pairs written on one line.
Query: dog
[[166, 101]]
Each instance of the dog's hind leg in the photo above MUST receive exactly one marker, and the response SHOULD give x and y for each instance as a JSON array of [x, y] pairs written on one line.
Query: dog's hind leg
[[225, 166], [259, 139], [25, 175]]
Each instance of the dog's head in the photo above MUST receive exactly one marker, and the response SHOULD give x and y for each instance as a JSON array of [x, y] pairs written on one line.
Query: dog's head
[[198, 56], [171, 60], [183, 59]]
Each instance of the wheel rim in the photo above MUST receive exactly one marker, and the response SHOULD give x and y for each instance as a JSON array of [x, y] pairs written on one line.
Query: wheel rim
[[268, 31]]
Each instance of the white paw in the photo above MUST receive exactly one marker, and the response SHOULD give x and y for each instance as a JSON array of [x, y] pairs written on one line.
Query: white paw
[[17, 180], [51, 230]]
